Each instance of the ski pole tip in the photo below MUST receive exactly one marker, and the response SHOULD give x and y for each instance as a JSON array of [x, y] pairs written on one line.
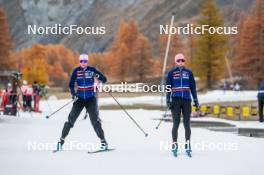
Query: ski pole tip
[[47, 117], [146, 135]]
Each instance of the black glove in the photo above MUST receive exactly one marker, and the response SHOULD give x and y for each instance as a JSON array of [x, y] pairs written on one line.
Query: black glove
[[197, 106], [96, 75], [74, 97], [169, 104]]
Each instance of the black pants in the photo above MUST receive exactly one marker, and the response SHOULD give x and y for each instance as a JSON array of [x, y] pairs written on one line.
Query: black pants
[[260, 109], [28, 102], [24, 98], [86, 113], [181, 105], [92, 108]]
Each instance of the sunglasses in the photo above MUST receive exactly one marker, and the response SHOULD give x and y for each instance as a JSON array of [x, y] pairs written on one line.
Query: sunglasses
[[180, 60], [83, 61]]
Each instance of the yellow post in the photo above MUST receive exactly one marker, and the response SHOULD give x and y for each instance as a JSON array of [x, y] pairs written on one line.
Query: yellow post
[[246, 111], [230, 111], [203, 108], [216, 109]]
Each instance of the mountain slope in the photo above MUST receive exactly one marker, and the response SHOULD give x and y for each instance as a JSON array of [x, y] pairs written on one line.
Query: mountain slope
[[149, 14]]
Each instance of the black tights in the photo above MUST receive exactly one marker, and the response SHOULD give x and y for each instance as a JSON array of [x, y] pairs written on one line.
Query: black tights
[[92, 109], [181, 105]]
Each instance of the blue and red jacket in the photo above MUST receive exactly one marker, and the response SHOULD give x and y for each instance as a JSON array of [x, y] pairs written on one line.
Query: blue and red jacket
[[85, 82], [181, 84]]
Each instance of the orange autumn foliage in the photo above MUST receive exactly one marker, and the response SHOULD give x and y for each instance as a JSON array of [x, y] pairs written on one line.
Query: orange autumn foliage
[[250, 50], [6, 61], [51, 64]]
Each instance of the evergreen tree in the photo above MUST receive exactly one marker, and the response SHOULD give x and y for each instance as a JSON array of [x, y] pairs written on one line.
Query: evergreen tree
[[209, 63]]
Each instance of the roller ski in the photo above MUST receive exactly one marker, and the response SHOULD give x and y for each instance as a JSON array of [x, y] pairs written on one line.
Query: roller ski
[[103, 148]]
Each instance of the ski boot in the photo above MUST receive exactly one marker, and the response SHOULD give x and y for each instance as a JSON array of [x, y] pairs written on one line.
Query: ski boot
[[188, 149], [174, 149], [59, 145], [104, 145]]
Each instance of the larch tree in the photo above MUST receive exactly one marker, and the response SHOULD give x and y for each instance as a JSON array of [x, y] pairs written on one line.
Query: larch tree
[[51, 63], [35, 68], [250, 50], [125, 51], [142, 58], [6, 61]]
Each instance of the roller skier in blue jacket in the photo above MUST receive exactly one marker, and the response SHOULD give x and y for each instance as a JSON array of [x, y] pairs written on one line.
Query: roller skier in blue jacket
[[182, 87], [85, 97]]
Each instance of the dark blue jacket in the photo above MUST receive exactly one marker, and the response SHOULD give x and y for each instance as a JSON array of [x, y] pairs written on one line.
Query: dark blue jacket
[[182, 84], [85, 81], [261, 91]]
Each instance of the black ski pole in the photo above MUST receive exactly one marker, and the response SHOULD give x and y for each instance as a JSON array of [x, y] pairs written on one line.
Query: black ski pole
[[48, 116], [139, 127], [157, 127]]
